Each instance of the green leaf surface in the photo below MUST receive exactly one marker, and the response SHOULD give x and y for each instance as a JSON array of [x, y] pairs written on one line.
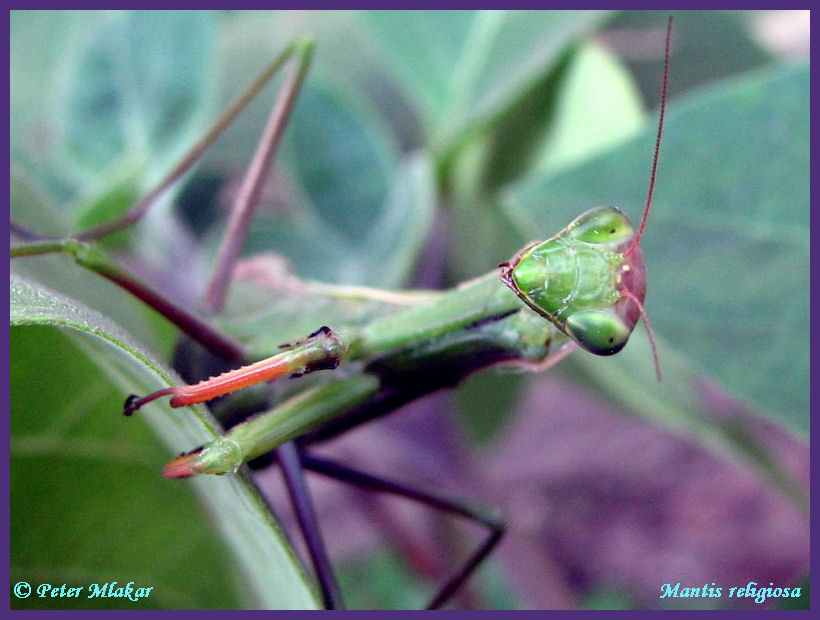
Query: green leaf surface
[[393, 228], [589, 105], [464, 66], [35, 211], [342, 181], [728, 235], [597, 108], [77, 463], [341, 160], [122, 95], [707, 46]]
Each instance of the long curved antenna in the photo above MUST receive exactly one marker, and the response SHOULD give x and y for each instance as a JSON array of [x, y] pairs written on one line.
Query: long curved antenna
[[637, 238]]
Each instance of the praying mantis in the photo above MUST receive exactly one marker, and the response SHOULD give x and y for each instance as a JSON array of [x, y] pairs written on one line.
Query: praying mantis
[[511, 316], [588, 282]]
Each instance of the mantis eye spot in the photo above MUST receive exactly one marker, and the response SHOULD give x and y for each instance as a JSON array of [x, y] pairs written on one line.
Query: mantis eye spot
[[603, 225], [598, 331]]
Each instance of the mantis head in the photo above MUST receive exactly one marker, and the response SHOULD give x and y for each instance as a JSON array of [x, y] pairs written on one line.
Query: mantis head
[[589, 280]]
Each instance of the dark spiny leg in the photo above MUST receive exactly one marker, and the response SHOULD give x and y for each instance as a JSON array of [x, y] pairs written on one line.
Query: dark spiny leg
[[288, 458], [373, 483]]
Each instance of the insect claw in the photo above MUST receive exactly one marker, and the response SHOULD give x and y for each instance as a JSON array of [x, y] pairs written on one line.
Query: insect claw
[[324, 329], [324, 364], [134, 403], [129, 407]]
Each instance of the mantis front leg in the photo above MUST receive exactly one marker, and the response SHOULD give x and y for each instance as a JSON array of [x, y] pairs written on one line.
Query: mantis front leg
[[322, 350], [271, 429], [372, 387], [395, 344]]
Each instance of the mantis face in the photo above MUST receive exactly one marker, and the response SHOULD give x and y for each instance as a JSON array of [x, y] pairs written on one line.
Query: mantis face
[[588, 280]]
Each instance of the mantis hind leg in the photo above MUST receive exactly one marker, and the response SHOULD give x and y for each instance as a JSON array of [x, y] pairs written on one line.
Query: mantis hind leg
[[491, 522], [289, 458]]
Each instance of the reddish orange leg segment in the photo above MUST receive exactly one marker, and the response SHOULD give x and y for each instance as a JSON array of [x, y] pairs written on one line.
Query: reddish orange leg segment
[[321, 350]]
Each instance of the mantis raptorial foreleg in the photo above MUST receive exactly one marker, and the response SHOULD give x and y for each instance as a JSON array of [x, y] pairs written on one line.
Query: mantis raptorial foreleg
[[319, 351]]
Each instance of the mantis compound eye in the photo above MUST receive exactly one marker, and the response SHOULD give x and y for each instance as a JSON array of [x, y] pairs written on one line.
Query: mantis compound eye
[[602, 226], [598, 331]]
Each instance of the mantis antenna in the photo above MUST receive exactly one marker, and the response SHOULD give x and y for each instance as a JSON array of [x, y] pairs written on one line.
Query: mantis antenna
[[651, 190], [649, 193]]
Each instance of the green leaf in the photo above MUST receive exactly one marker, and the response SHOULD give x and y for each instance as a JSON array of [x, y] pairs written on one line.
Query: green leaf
[[590, 104], [341, 159], [393, 228], [727, 238], [122, 95], [699, 51], [597, 108], [464, 66], [60, 273], [89, 504], [342, 181]]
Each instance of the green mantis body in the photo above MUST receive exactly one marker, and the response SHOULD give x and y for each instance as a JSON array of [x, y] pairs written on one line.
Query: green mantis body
[[582, 287], [587, 281]]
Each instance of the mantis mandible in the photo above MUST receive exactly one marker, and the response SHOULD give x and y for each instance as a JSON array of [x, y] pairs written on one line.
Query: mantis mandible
[[582, 288]]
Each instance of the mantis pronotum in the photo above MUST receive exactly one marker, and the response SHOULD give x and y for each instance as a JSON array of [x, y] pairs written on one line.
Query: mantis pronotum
[[584, 287]]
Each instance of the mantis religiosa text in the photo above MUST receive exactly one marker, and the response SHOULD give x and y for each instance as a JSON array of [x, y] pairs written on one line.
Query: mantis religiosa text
[[582, 288]]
